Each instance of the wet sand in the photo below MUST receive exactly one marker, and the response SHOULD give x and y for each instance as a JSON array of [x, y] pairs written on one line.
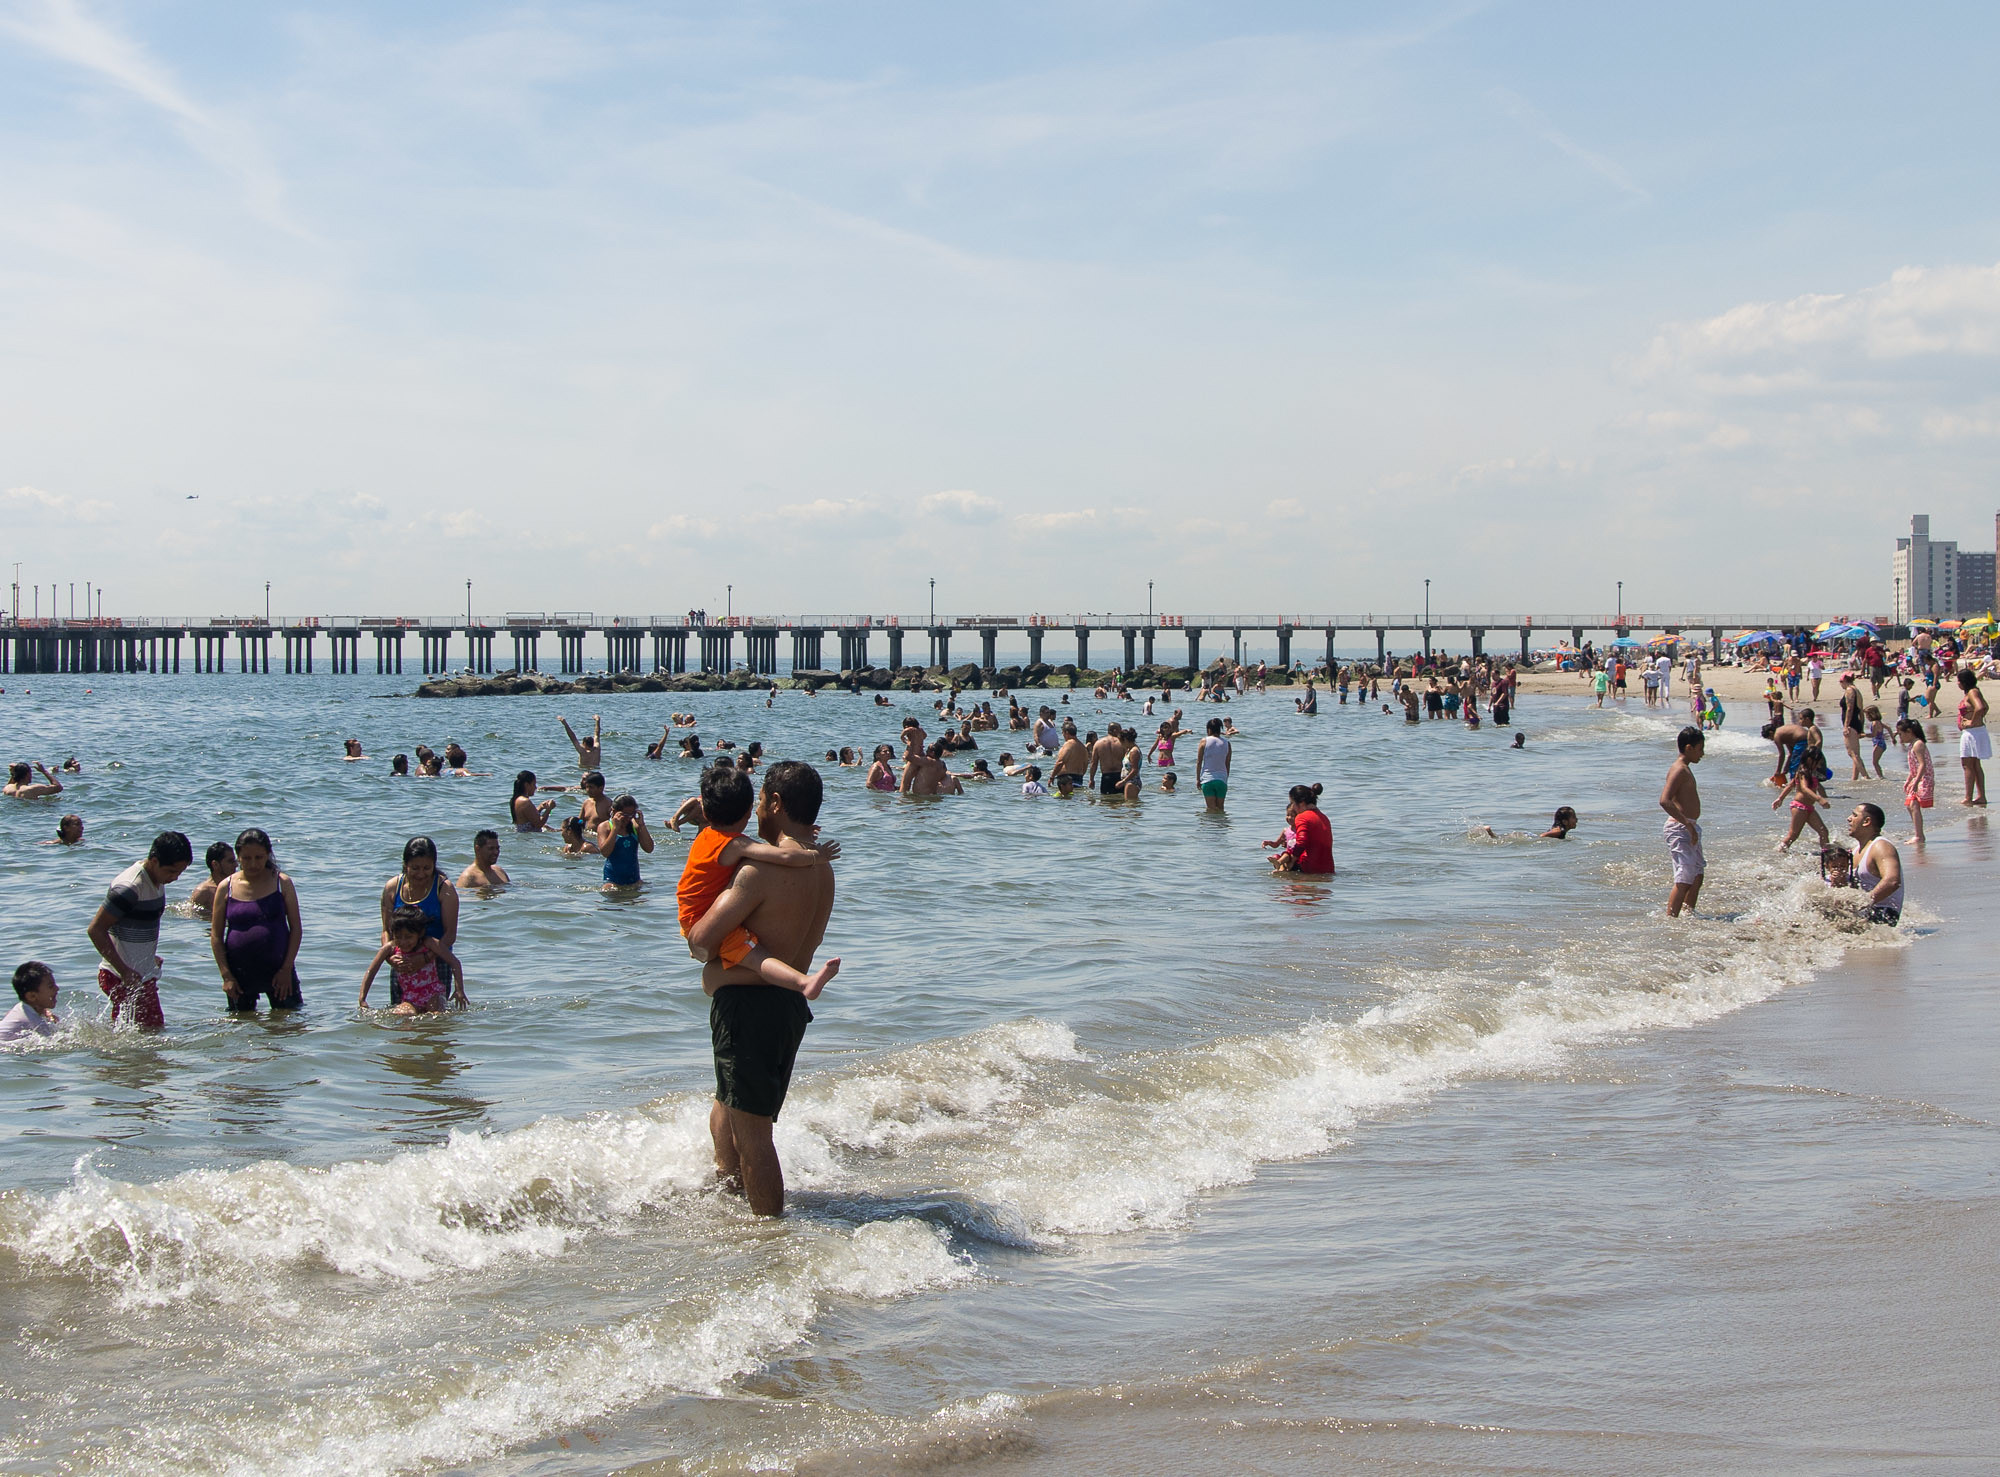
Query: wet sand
[[1770, 1243]]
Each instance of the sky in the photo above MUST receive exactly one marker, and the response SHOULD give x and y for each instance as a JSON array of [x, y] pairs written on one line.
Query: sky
[[793, 309]]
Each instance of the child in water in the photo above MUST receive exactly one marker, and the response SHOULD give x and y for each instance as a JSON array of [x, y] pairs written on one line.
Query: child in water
[[1711, 713], [727, 798], [1878, 735], [418, 967], [1805, 808]]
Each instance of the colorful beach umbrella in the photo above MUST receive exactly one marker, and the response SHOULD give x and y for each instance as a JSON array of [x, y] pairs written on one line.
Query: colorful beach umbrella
[[1928, 625], [1624, 641]]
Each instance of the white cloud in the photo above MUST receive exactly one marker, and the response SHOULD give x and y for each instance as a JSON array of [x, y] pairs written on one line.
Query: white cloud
[[1760, 348], [1287, 508], [828, 510], [965, 507], [54, 504], [682, 526]]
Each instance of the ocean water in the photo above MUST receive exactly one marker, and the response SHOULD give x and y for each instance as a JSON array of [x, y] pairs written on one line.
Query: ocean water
[[1087, 1068]]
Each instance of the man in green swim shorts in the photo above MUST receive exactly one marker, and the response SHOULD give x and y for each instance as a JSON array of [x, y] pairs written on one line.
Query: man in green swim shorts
[[1211, 766]]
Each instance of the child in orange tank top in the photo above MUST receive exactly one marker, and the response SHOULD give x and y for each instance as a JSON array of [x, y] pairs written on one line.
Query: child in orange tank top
[[718, 850]]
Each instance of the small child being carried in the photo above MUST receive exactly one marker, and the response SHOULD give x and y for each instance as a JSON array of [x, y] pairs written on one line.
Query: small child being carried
[[727, 798], [418, 967]]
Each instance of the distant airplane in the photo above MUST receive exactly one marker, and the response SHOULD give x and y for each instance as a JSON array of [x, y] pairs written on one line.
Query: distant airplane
[[194, 497]]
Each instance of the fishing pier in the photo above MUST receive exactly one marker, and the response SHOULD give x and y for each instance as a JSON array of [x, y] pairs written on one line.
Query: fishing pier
[[650, 644]]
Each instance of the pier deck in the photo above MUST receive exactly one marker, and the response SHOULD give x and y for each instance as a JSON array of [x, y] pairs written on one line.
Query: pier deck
[[653, 644]]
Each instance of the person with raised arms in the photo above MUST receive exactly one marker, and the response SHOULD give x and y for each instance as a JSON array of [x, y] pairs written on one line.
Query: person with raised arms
[[589, 751]]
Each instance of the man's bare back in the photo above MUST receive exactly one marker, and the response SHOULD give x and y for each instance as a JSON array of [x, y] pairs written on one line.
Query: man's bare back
[[788, 912]]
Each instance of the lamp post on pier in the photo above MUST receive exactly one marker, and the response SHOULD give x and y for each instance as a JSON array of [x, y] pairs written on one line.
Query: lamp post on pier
[[1621, 604], [933, 602], [1427, 604], [267, 602], [728, 603], [468, 607], [1149, 602]]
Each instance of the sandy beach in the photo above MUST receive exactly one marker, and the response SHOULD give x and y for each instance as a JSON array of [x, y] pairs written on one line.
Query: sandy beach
[[1740, 688]]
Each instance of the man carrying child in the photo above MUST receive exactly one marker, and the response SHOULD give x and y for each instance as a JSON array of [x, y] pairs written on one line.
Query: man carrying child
[[756, 1027]]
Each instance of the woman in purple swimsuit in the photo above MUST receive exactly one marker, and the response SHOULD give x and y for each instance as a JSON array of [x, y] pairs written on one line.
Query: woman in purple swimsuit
[[254, 929]]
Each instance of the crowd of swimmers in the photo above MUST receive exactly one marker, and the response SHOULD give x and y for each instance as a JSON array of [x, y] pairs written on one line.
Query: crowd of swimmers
[[256, 930]]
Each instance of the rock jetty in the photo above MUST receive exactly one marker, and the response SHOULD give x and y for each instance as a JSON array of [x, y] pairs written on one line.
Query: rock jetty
[[864, 679]]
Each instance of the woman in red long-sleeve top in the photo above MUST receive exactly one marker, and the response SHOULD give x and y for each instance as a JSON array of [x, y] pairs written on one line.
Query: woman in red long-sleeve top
[[1307, 845]]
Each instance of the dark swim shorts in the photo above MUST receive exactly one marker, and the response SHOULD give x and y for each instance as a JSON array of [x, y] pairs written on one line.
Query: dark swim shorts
[[1108, 783], [756, 1030]]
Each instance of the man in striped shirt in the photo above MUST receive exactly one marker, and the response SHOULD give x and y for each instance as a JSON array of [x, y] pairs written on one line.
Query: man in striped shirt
[[126, 931]]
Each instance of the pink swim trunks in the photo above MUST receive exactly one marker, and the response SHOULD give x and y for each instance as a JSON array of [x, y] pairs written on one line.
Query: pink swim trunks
[[1684, 846]]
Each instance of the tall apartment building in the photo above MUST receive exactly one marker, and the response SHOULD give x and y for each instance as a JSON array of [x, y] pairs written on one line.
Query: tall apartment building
[[1934, 579]]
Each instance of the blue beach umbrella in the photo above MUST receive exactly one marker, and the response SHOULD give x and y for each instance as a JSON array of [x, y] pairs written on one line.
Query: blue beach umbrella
[[1624, 641]]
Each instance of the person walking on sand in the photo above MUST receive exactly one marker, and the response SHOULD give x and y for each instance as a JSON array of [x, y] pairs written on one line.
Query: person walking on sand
[[756, 1028], [1682, 802], [1975, 744]]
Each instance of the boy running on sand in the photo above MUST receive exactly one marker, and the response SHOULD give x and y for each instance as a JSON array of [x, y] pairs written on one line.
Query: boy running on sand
[[727, 798]]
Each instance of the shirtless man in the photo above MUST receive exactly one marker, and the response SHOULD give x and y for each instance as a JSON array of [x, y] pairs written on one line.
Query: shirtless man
[[1072, 758], [485, 870], [596, 809], [221, 862], [352, 748], [1107, 757], [1047, 737], [756, 1028], [22, 786], [1788, 736], [1682, 803], [926, 773], [589, 751]]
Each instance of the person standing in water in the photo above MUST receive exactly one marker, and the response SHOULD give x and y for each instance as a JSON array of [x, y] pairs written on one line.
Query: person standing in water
[[1682, 803], [1975, 745], [126, 931], [756, 1028], [420, 885], [1211, 767], [254, 931], [620, 839], [589, 751], [522, 809]]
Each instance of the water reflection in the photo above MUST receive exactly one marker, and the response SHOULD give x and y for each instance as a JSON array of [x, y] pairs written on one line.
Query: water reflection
[[133, 1074], [1300, 892], [420, 1052]]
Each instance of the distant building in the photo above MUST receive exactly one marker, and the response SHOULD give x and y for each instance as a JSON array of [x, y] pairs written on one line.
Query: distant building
[[1926, 574], [1933, 579]]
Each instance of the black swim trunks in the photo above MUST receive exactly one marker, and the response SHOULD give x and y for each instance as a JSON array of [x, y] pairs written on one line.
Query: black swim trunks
[[1107, 783], [1884, 914], [756, 1031]]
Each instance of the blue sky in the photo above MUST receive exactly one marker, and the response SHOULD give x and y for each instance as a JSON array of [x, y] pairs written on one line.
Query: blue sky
[[1285, 308]]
